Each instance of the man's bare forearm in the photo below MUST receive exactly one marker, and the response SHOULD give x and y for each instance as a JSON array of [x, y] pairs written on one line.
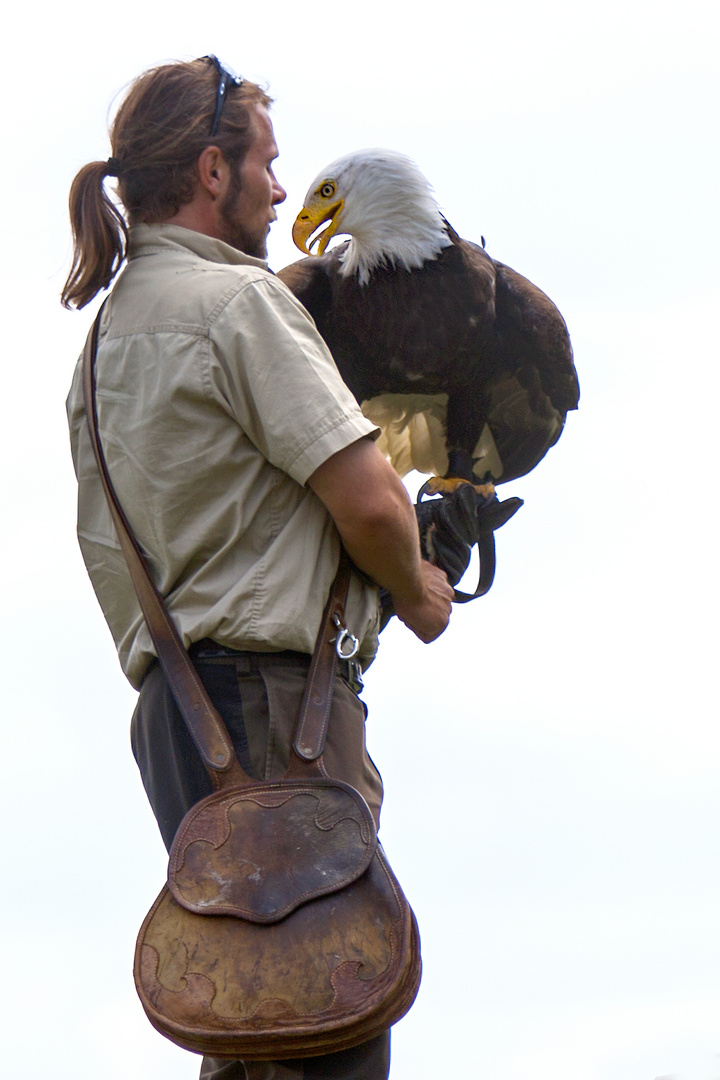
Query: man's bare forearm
[[377, 524]]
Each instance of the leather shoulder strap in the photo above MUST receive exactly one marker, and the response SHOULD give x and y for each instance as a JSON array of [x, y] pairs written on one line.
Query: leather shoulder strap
[[204, 722], [315, 706], [206, 726]]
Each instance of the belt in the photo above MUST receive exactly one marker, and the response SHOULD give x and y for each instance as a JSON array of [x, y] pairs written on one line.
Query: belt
[[207, 650]]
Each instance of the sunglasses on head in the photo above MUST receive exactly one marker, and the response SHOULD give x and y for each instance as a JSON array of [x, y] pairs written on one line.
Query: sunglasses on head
[[227, 78]]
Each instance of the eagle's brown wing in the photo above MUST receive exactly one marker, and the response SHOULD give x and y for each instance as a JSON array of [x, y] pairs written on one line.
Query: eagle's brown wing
[[527, 404], [464, 325]]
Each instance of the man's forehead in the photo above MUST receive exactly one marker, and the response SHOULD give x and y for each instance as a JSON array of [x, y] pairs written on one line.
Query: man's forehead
[[262, 126]]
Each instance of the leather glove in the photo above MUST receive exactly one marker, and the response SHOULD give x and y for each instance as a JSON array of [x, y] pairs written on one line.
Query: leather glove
[[449, 528]]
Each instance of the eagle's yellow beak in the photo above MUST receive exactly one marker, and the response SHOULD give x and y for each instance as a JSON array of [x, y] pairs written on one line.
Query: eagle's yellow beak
[[310, 218]]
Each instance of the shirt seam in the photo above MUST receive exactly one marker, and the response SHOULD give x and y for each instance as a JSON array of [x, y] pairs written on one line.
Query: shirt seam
[[205, 329], [328, 428]]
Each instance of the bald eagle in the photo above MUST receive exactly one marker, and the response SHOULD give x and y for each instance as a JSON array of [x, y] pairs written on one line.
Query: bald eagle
[[465, 365]]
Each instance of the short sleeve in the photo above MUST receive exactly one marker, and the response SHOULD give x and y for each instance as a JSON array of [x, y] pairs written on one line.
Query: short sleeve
[[279, 380]]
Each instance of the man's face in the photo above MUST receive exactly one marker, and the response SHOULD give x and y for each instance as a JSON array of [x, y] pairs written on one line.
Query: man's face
[[249, 206]]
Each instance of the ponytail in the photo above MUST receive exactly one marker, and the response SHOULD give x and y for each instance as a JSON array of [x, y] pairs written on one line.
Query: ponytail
[[99, 237], [160, 130]]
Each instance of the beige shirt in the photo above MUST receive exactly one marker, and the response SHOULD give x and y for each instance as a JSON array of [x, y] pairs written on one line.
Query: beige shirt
[[217, 400]]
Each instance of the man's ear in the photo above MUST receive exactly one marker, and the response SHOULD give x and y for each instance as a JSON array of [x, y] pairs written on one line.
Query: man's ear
[[213, 171]]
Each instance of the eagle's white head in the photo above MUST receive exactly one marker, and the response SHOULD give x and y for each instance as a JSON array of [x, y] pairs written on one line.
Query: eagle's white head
[[382, 200]]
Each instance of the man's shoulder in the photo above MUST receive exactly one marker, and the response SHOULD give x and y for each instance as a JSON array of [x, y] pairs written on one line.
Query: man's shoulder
[[177, 278]]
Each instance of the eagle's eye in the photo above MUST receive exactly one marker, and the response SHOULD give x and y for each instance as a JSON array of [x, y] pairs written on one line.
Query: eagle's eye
[[327, 190]]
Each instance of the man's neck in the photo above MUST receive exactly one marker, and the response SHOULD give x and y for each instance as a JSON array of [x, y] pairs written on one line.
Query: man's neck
[[201, 216]]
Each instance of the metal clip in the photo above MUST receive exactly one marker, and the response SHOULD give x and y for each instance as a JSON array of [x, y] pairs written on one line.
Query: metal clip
[[346, 644], [354, 676]]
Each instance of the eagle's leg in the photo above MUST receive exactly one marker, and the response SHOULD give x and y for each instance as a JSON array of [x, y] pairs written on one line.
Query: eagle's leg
[[460, 467]]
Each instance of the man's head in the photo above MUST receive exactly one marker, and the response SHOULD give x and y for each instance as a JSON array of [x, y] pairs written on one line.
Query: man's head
[[163, 126], [160, 142]]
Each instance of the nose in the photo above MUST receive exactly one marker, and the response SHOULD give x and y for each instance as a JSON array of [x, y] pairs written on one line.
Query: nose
[[279, 194]]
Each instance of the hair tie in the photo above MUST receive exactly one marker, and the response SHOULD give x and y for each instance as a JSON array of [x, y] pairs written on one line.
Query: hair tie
[[112, 167]]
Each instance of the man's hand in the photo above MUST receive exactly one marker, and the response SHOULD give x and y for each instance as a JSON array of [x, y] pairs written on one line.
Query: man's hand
[[428, 619]]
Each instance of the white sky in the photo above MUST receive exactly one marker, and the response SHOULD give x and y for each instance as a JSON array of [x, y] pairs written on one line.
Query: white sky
[[552, 763]]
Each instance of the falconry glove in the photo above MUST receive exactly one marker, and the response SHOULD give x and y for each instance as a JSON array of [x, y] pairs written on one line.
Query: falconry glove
[[449, 528]]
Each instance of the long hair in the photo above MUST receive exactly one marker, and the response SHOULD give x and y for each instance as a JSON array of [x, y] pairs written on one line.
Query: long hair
[[160, 130]]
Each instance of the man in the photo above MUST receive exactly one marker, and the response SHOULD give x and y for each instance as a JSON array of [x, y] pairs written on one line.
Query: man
[[237, 453]]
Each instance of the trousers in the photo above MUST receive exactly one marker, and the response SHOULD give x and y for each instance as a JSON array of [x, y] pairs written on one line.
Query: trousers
[[258, 696]]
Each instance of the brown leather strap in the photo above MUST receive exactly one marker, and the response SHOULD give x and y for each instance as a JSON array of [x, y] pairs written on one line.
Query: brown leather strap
[[206, 726], [315, 706]]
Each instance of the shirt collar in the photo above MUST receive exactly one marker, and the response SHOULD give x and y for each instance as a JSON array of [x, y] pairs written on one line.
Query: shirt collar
[[144, 239]]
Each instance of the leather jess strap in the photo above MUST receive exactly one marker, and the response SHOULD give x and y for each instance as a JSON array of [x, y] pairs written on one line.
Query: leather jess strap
[[205, 724]]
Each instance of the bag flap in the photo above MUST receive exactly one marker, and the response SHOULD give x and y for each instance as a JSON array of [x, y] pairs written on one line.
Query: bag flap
[[258, 852]]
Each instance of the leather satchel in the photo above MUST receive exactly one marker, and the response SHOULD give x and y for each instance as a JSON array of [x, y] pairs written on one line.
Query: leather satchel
[[282, 930]]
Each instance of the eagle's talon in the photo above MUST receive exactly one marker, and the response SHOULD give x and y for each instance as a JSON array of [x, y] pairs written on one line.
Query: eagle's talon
[[446, 485]]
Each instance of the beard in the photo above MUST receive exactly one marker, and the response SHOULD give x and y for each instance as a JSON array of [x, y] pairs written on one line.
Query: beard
[[234, 232]]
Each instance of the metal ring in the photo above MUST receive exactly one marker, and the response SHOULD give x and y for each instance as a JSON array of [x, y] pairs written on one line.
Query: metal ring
[[343, 639]]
